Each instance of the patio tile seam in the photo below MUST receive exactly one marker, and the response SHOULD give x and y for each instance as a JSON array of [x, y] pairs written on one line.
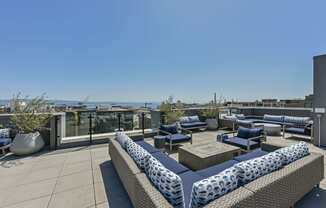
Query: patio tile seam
[[102, 203], [29, 183], [19, 202], [93, 182], [55, 185]]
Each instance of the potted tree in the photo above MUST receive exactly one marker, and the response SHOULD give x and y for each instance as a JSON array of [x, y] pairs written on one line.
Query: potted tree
[[169, 114], [211, 114], [30, 115]]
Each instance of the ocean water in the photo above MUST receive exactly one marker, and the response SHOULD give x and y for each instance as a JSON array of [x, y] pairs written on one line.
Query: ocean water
[[92, 105]]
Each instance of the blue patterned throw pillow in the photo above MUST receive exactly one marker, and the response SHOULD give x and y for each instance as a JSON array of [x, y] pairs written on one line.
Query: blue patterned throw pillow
[[168, 183], [294, 152], [301, 149], [208, 190], [122, 138], [184, 119], [252, 169], [138, 154], [274, 161], [288, 155], [4, 133]]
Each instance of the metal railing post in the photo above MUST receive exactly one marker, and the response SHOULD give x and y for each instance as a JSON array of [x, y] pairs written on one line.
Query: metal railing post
[[143, 122], [119, 121], [56, 119], [90, 129]]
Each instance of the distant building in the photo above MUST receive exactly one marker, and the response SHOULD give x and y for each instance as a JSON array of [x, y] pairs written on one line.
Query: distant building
[[293, 103], [270, 103], [309, 101]]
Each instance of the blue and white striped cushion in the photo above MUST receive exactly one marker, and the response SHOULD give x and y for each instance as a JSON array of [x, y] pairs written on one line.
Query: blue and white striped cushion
[[274, 118], [193, 119], [138, 154], [207, 190], [167, 182], [123, 139], [299, 122], [274, 161], [184, 119], [4, 133], [294, 152], [252, 169]]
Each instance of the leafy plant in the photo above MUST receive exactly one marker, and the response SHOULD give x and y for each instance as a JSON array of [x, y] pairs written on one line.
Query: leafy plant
[[210, 113], [174, 116], [170, 113], [30, 114]]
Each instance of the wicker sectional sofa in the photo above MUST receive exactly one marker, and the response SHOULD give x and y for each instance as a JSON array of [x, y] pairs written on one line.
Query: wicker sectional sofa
[[282, 188]]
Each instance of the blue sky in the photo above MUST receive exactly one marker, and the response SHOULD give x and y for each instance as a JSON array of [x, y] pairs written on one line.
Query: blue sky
[[128, 50]]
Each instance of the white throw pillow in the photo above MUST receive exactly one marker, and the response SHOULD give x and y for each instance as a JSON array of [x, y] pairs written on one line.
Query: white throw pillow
[[167, 182], [4, 133], [138, 154], [252, 169], [274, 161], [122, 138], [294, 152], [208, 190]]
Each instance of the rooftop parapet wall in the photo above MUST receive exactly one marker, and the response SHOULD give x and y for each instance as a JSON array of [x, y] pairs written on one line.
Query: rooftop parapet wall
[[259, 111], [320, 97]]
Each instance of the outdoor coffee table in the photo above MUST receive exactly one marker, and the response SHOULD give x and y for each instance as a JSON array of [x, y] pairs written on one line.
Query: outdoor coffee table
[[201, 156], [271, 145], [270, 129]]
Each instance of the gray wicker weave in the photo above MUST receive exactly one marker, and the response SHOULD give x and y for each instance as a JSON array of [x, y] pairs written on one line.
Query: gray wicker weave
[[126, 169], [239, 198], [147, 195], [282, 188]]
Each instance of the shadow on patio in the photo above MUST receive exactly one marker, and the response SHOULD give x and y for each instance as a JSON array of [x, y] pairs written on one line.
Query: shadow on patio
[[115, 192], [313, 199]]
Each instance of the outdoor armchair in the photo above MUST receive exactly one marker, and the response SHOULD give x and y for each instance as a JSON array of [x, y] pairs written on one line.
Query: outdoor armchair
[[5, 140], [245, 138], [175, 135]]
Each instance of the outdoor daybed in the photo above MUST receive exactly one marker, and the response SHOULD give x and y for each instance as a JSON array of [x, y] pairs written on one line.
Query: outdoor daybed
[[290, 124], [191, 123], [280, 188]]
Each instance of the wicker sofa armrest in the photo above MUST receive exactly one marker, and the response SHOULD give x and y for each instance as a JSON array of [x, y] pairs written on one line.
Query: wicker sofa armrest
[[119, 155], [239, 198], [283, 188], [125, 167], [147, 196]]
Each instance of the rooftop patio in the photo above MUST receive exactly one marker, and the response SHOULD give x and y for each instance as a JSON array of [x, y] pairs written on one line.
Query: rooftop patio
[[84, 177]]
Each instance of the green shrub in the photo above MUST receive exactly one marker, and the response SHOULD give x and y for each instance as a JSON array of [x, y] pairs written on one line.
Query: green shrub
[[170, 114], [33, 115]]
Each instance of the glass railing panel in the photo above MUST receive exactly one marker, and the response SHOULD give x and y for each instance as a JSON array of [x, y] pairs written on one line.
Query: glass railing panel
[[78, 122]]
